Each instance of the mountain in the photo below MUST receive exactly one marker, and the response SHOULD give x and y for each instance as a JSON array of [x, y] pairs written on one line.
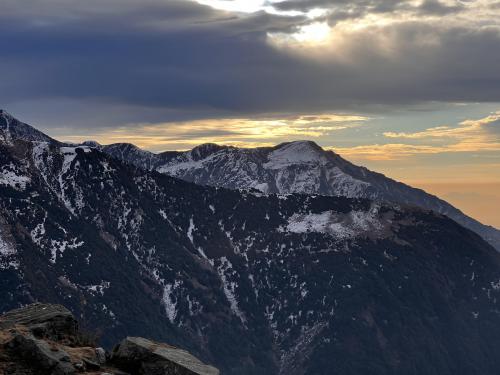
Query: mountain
[[294, 167], [251, 283], [12, 129]]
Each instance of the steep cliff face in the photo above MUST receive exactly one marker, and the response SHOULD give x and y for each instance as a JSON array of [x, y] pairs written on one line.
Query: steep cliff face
[[253, 283], [296, 167]]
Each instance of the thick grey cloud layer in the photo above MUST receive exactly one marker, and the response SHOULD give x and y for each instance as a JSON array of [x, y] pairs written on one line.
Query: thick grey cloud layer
[[181, 59], [435, 7]]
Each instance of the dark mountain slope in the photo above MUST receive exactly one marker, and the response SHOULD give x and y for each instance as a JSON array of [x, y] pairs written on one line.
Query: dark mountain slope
[[254, 284]]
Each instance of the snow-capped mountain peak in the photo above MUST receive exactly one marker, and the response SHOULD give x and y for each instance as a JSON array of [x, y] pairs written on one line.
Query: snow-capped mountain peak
[[91, 143], [295, 153]]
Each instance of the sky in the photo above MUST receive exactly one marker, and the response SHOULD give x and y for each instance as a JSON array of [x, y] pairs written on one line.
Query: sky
[[409, 88]]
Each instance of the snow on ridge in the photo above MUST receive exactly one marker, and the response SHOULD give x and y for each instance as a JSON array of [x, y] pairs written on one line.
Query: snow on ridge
[[69, 154], [342, 226], [262, 187], [302, 152], [270, 171], [8, 119], [44, 160], [184, 163], [345, 184], [174, 169]]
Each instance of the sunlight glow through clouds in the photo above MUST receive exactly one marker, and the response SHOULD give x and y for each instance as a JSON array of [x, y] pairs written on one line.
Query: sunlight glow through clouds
[[246, 6], [468, 136], [338, 23], [314, 32], [236, 132], [249, 6]]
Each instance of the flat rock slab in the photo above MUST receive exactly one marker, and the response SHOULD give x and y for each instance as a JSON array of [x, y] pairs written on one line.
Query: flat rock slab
[[52, 321], [142, 356]]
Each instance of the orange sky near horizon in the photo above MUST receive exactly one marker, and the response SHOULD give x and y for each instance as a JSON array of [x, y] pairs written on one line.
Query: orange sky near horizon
[[478, 200]]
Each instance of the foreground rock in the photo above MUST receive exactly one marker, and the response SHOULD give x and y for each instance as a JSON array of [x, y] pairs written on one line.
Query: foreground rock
[[142, 356], [45, 339], [54, 322]]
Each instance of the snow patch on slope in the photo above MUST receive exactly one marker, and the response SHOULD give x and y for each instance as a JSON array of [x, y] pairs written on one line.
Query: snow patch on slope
[[58, 247], [229, 287], [98, 288], [183, 164], [69, 154], [11, 176], [169, 301], [345, 185], [190, 230], [339, 225], [7, 253]]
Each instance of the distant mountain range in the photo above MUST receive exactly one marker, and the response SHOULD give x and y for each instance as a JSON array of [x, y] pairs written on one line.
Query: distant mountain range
[[296, 167], [253, 283]]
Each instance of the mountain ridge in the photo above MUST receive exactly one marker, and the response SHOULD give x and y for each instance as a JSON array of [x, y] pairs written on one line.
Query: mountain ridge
[[347, 178], [11, 128], [217, 165], [255, 284], [334, 176]]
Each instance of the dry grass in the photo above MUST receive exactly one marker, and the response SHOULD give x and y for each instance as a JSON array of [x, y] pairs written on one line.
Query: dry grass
[[85, 337]]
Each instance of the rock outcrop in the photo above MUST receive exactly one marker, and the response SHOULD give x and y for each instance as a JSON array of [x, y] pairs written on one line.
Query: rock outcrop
[[147, 357], [53, 322], [45, 339]]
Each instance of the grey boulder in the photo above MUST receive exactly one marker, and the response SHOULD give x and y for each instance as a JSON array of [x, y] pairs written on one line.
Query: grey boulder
[[140, 356]]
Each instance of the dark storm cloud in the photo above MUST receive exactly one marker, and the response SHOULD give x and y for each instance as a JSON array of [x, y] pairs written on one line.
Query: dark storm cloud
[[434, 7], [192, 57], [306, 5], [182, 59], [338, 10]]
